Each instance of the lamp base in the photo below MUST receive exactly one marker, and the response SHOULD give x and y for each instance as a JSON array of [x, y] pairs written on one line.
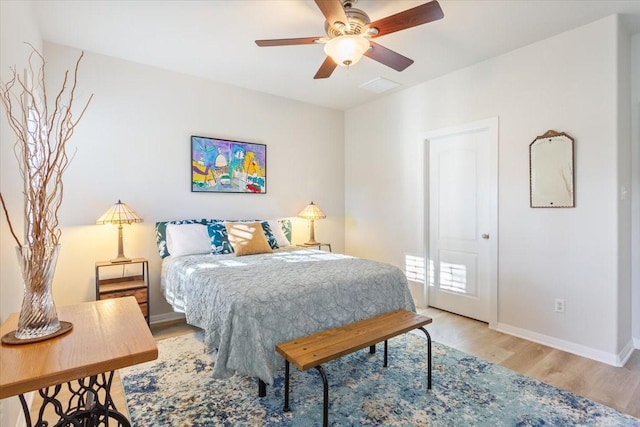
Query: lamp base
[[120, 258], [311, 243]]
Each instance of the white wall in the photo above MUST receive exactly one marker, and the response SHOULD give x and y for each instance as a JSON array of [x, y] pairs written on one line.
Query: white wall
[[566, 83], [635, 184], [17, 26], [623, 139], [133, 144]]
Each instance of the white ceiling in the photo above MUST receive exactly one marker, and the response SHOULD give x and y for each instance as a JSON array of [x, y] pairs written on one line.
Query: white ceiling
[[215, 39]]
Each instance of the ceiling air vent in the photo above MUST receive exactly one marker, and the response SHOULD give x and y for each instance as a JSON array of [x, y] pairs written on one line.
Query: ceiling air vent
[[379, 85]]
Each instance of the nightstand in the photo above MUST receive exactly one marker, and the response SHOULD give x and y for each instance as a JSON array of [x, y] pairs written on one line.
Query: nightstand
[[316, 245], [119, 279]]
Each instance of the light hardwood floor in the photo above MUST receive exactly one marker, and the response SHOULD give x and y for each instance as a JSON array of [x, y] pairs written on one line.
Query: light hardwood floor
[[618, 388]]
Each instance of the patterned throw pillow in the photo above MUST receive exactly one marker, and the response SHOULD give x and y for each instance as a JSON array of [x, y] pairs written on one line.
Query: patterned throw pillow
[[219, 239], [286, 227], [278, 233], [268, 233]]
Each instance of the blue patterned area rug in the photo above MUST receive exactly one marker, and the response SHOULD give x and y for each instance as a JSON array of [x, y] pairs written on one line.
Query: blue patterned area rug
[[177, 390]]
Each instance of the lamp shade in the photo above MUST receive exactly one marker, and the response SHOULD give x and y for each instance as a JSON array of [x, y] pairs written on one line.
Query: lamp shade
[[312, 211], [119, 213], [346, 50]]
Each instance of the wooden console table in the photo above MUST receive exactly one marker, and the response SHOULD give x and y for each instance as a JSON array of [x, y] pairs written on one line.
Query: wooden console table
[[107, 335]]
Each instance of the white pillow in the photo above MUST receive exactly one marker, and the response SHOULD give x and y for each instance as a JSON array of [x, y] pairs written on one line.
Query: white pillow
[[278, 233], [188, 239]]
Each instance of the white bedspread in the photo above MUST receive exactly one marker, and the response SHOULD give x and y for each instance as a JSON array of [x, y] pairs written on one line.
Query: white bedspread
[[247, 305]]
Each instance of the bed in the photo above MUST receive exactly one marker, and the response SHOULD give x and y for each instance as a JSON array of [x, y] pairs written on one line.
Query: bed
[[248, 304]]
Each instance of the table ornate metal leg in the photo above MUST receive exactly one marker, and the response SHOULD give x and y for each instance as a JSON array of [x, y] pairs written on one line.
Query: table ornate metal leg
[[90, 404], [25, 409]]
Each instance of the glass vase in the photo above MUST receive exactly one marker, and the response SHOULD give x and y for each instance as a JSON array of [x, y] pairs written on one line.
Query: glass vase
[[38, 316]]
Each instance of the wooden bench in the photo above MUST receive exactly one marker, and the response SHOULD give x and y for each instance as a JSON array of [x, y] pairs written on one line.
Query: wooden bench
[[314, 350]]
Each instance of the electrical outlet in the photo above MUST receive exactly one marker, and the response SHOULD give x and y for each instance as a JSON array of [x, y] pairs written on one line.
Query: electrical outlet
[[559, 305]]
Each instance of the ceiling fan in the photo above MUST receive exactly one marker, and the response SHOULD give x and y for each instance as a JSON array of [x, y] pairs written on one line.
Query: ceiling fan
[[349, 33]]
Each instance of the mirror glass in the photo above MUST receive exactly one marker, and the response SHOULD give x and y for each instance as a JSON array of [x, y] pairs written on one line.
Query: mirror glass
[[551, 171]]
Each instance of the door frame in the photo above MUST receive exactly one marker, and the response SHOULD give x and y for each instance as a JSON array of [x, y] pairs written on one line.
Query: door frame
[[491, 126]]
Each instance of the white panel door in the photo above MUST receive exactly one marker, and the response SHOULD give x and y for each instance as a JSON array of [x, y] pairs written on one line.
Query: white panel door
[[462, 259]]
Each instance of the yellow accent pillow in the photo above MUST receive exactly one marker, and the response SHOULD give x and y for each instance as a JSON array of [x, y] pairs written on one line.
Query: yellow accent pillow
[[247, 238]]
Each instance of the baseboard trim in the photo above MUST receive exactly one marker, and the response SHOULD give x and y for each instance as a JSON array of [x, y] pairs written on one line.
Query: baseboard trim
[[626, 353], [568, 346], [165, 317]]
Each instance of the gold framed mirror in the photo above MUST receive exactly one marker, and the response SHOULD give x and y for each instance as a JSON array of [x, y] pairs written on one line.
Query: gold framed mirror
[[551, 171]]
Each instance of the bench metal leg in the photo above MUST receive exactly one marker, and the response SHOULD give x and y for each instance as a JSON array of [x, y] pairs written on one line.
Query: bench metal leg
[[385, 354], [286, 386], [428, 356], [325, 404], [262, 388], [325, 385], [372, 349]]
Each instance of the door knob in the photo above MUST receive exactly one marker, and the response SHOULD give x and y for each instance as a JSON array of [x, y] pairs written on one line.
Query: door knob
[[485, 236]]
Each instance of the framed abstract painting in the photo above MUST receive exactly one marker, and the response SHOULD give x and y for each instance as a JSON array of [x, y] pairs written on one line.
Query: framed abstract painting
[[225, 166]]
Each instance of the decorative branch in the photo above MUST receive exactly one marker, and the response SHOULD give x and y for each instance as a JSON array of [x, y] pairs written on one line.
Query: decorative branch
[[42, 132], [6, 214]]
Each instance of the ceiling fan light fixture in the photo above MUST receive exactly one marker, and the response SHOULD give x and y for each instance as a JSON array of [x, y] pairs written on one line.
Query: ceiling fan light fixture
[[346, 50]]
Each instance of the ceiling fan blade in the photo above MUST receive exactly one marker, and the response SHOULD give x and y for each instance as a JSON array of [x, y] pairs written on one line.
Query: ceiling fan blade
[[388, 57], [288, 42], [418, 15], [326, 69], [332, 11]]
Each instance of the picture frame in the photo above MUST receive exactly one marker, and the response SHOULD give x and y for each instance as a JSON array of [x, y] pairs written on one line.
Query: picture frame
[[227, 166]]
